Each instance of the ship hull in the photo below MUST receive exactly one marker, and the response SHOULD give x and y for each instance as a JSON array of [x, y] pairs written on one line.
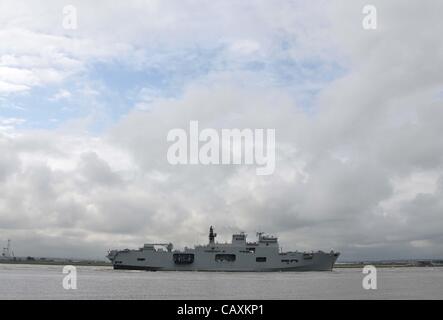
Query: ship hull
[[164, 261]]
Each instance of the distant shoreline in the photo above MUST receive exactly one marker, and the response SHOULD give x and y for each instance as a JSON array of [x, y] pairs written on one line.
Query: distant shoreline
[[378, 265], [59, 263], [108, 264]]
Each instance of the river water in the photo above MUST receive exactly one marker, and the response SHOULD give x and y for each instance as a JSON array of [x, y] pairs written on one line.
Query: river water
[[46, 282]]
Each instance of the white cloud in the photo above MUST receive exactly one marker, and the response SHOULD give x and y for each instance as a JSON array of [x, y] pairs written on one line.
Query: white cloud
[[61, 94], [361, 172]]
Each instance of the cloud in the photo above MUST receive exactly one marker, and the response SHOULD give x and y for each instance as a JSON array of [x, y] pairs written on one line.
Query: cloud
[[61, 94], [175, 35], [359, 170]]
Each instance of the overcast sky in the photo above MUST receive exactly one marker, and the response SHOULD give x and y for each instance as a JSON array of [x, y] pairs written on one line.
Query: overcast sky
[[358, 114]]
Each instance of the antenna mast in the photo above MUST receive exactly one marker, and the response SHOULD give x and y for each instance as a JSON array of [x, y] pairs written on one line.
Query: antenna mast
[[212, 235], [7, 251]]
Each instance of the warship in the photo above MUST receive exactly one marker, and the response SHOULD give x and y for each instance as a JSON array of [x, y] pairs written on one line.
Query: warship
[[239, 255]]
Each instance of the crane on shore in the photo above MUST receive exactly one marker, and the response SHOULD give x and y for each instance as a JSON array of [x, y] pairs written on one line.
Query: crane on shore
[[7, 251]]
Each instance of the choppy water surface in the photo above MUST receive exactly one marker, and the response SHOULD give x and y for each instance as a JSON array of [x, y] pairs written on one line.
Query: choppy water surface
[[45, 282]]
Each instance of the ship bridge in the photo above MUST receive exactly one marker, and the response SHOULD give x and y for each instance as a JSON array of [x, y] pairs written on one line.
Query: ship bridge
[[267, 240], [239, 239]]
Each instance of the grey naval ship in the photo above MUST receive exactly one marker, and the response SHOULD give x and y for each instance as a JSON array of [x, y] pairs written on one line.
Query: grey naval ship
[[239, 255]]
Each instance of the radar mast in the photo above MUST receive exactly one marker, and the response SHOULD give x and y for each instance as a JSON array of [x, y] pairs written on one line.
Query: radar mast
[[212, 235]]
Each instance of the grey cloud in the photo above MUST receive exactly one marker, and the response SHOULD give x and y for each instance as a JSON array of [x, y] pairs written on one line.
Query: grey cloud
[[334, 184]]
